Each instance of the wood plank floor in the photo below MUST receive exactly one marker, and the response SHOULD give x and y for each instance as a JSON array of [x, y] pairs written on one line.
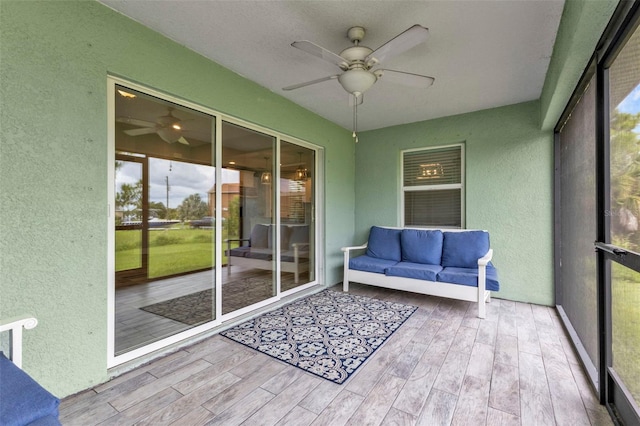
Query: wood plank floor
[[444, 366]]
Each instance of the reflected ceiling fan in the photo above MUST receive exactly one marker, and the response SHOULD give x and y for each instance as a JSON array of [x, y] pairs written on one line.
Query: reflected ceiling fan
[[168, 127], [359, 63]]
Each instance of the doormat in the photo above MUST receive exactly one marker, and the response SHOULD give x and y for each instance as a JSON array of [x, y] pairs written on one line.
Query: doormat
[[329, 334]]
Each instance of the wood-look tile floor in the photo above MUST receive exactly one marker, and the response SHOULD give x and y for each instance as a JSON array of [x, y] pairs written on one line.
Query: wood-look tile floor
[[444, 366]]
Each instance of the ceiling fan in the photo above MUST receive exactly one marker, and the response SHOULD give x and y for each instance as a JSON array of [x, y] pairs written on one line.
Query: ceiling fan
[[358, 62], [168, 127]]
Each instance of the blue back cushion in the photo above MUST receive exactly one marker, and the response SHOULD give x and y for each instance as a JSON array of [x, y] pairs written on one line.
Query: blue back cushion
[[421, 246], [260, 236], [384, 243], [463, 249]]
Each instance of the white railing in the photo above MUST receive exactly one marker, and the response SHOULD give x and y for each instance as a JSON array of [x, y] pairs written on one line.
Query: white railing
[[15, 326]]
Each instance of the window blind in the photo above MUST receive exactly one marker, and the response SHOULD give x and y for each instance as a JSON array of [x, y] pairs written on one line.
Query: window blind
[[433, 187]]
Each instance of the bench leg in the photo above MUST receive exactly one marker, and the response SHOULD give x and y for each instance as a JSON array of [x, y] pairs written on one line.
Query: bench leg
[[482, 309]]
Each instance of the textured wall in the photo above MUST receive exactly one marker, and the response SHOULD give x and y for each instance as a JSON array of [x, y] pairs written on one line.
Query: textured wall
[[582, 24], [55, 58], [509, 170]]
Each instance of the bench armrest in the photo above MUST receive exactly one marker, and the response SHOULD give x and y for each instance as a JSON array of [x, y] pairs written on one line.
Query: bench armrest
[[15, 325], [484, 260], [348, 249]]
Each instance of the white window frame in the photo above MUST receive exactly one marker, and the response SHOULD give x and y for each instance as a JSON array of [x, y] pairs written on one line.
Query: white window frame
[[421, 188]]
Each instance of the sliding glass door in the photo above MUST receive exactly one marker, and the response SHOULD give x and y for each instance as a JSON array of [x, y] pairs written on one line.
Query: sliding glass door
[[597, 194], [211, 218], [621, 250], [164, 235]]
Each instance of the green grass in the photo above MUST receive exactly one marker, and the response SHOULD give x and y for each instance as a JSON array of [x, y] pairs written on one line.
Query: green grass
[[626, 326], [171, 251]]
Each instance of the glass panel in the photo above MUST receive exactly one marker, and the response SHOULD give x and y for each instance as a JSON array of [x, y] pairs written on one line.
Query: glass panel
[[433, 166], [247, 207], [297, 189], [433, 208], [164, 238], [128, 256], [577, 260], [625, 324], [624, 84]]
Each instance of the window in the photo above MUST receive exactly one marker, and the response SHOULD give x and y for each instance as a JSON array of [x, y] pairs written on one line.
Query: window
[[433, 187]]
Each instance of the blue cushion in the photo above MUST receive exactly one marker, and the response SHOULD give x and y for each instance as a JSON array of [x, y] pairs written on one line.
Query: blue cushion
[[370, 264], [384, 243], [463, 249], [419, 271], [284, 237], [22, 399], [239, 251], [469, 276], [260, 253], [299, 235], [421, 246], [260, 236]]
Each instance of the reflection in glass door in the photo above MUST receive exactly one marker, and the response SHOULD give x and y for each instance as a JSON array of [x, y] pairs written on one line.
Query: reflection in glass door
[[248, 217], [164, 226], [297, 207]]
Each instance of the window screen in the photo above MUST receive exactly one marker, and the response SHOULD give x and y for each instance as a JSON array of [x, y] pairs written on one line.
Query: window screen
[[432, 187]]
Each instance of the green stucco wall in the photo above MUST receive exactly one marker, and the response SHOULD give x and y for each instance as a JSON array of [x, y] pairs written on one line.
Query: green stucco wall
[[509, 171], [582, 25], [54, 62]]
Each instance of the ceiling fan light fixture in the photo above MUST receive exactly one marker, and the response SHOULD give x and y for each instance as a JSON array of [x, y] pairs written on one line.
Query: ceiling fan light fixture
[[357, 81], [169, 134]]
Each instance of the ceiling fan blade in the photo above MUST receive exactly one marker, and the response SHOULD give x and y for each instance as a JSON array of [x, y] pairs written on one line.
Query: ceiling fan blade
[[405, 78], [138, 132], [321, 53], [309, 83], [135, 122], [400, 43], [183, 141]]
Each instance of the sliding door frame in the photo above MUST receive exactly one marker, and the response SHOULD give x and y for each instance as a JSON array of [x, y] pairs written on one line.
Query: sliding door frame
[[164, 345], [610, 388]]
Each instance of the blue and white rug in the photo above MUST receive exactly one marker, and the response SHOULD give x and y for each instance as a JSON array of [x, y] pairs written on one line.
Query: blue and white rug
[[329, 334]]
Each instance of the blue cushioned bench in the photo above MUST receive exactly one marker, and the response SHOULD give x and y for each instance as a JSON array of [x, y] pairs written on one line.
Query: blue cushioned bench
[[257, 251], [445, 263], [22, 400]]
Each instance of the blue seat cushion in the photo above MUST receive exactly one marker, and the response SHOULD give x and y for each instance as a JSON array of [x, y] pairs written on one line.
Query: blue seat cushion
[[469, 276], [260, 253], [239, 251], [384, 243], [22, 399], [370, 264], [421, 246], [463, 249], [419, 271]]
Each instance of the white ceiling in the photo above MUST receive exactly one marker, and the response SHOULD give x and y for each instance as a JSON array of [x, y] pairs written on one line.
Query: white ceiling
[[483, 54]]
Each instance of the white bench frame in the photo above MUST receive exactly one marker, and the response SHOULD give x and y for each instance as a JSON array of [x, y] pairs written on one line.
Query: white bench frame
[[296, 267], [15, 326], [477, 295]]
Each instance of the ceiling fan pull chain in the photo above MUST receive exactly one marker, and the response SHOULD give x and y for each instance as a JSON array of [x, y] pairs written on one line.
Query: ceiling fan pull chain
[[355, 118]]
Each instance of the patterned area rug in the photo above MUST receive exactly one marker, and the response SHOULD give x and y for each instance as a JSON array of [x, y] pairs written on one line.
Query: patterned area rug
[[197, 308], [192, 309], [329, 334]]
